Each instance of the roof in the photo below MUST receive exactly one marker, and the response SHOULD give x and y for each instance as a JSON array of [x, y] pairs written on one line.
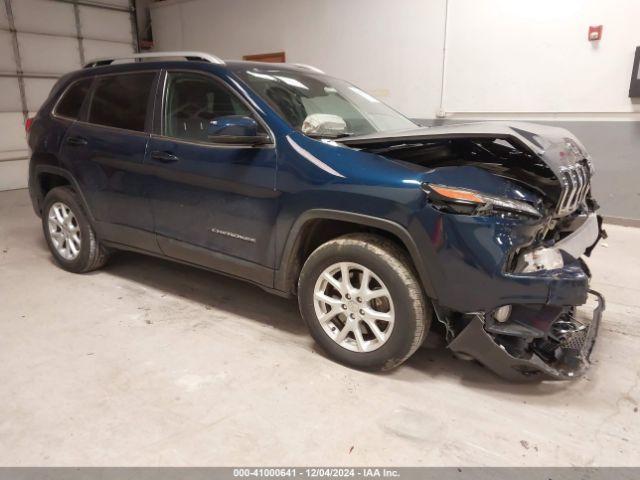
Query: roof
[[190, 56]]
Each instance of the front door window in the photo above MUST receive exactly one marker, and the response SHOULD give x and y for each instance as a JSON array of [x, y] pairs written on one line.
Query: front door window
[[193, 101]]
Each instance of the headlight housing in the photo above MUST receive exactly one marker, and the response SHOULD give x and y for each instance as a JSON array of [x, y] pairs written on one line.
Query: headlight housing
[[473, 202]]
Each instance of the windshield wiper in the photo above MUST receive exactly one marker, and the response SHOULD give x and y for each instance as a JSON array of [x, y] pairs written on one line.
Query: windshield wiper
[[401, 146], [321, 136]]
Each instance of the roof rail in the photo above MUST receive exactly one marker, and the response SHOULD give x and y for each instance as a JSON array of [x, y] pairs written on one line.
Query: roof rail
[[309, 67], [193, 56]]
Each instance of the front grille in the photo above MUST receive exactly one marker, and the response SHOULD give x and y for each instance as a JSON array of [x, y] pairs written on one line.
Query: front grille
[[577, 340], [576, 181], [570, 329]]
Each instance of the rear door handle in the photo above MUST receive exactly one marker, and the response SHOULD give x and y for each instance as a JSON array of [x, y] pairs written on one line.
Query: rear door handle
[[164, 157], [77, 141]]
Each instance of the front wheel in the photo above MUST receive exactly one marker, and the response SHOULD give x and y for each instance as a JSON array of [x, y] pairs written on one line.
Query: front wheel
[[362, 302]]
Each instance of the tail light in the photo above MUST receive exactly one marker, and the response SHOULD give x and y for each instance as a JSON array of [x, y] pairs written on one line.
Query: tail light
[[28, 123]]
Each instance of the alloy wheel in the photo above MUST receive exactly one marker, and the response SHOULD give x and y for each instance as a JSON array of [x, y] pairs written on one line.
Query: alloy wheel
[[64, 231], [354, 307]]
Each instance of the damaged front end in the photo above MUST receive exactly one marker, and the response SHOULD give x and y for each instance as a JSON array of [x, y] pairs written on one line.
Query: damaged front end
[[509, 215], [560, 350], [548, 335]]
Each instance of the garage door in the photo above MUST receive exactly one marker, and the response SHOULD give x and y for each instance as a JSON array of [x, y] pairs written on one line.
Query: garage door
[[39, 41]]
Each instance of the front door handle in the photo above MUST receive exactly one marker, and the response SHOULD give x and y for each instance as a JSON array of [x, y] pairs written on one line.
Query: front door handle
[[77, 141], [164, 157]]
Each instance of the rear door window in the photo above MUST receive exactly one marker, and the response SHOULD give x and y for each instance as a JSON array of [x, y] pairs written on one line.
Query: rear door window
[[71, 102], [121, 100]]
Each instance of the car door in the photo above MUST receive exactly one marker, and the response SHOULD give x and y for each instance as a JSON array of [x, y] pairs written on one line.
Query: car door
[[213, 204], [105, 152]]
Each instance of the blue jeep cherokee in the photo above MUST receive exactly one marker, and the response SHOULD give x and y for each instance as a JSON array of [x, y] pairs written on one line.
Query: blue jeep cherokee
[[305, 185]]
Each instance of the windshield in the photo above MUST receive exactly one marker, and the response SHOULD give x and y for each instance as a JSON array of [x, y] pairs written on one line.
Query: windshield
[[321, 106]]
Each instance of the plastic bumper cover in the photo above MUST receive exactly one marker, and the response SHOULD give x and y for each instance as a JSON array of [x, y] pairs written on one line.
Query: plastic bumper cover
[[475, 342], [584, 238]]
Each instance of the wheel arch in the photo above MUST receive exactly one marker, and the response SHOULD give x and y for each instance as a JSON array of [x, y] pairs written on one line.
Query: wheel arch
[[47, 177], [300, 242]]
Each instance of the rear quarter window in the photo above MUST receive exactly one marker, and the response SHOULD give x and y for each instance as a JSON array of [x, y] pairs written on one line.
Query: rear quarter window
[[71, 101], [121, 100]]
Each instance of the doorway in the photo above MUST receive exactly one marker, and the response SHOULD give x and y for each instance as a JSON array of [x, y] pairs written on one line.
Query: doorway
[[276, 57]]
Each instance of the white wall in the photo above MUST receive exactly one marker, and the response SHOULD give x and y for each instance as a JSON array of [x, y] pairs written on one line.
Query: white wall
[[512, 56], [394, 53], [517, 56]]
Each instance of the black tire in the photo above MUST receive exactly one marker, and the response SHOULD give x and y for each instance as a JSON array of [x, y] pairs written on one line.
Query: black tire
[[92, 255], [393, 266]]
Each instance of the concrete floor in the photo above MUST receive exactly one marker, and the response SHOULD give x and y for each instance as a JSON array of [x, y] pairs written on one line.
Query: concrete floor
[[152, 363]]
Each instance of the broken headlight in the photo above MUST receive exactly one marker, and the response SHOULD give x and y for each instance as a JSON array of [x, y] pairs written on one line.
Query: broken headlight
[[472, 202]]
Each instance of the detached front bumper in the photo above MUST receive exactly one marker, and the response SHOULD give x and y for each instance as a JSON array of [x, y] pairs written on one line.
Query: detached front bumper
[[504, 297], [571, 356], [543, 340]]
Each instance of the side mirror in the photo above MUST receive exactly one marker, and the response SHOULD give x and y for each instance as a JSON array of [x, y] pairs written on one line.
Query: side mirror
[[324, 124], [235, 129]]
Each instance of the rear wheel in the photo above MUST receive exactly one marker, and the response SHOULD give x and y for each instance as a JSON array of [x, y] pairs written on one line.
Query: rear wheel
[[362, 301], [69, 234]]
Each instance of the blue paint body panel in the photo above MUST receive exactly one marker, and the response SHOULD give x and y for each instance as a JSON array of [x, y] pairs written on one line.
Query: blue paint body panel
[[238, 209]]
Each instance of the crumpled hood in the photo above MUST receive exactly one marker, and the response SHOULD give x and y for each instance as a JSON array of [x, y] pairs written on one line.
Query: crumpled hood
[[556, 146]]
